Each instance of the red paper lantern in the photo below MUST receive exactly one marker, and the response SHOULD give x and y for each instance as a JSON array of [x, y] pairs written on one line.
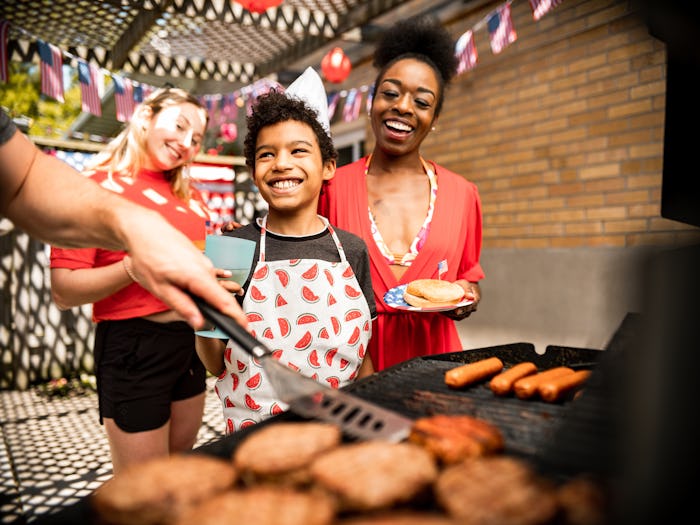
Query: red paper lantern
[[336, 65], [229, 131], [258, 6]]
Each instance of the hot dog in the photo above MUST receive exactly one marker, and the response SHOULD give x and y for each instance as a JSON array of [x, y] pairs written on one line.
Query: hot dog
[[502, 384], [555, 389], [526, 387], [470, 373]]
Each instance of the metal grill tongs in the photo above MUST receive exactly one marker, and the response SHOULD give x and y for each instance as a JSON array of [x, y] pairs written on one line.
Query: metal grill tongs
[[309, 398]]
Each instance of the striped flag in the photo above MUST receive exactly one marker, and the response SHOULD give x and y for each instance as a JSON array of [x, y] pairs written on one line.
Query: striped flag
[[123, 98], [501, 30], [465, 51], [51, 70], [353, 102], [542, 7], [211, 102], [442, 268], [90, 78], [333, 99], [4, 51], [229, 109], [357, 106], [138, 93]]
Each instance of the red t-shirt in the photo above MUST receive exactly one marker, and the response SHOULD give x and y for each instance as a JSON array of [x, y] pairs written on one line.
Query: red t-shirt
[[151, 190]]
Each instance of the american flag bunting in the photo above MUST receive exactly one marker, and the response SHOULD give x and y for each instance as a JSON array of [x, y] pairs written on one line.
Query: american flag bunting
[[332, 104], [442, 268], [465, 51], [212, 103], [4, 51], [51, 70], [123, 98], [347, 107], [501, 30], [353, 102], [90, 79], [138, 93], [542, 7], [230, 109]]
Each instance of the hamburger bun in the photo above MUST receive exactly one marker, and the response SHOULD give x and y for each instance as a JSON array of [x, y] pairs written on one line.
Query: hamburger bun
[[432, 293]]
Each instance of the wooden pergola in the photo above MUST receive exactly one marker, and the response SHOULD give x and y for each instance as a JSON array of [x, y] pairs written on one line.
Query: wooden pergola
[[205, 46]]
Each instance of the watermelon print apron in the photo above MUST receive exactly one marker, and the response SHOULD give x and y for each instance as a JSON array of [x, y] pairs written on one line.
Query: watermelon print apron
[[314, 317]]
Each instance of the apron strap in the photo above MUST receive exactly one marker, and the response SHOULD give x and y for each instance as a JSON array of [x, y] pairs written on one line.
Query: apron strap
[[263, 233], [338, 244]]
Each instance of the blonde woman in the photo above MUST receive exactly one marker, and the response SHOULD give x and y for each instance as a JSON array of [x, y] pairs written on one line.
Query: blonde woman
[[151, 384]]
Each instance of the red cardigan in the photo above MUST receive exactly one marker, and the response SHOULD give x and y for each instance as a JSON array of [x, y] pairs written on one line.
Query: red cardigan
[[455, 236]]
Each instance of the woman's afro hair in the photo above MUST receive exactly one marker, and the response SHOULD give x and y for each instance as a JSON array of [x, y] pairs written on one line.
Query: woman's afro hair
[[418, 35]]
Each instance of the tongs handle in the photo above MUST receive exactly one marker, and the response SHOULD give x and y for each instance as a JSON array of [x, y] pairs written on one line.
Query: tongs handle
[[231, 328]]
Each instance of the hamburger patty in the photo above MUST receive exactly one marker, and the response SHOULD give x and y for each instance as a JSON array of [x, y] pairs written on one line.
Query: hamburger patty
[[262, 505], [496, 490], [398, 517], [282, 452], [373, 475], [157, 491], [432, 292]]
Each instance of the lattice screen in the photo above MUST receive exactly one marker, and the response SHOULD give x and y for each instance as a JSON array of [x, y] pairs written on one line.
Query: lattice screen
[[38, 342]]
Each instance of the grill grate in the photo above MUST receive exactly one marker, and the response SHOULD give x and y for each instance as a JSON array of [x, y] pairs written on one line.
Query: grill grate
[[416, 388], [560, 439]]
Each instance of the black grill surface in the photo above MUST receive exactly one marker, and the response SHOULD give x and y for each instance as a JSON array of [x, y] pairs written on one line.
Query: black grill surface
[[417, 388], [560, 439]]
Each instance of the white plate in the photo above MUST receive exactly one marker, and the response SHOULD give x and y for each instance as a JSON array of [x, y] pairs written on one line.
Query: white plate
[[394, 298]]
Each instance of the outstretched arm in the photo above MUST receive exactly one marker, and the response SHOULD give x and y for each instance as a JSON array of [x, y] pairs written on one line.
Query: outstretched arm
[[52, 202]]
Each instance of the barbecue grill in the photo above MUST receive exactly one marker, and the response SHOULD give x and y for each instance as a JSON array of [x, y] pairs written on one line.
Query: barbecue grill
[[560, 439]]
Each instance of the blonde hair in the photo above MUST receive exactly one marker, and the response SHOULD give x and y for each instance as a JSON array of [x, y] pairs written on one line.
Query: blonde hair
[[125, 154]]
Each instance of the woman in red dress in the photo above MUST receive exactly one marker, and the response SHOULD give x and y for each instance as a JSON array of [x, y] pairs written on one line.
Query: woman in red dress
[[419, 220]]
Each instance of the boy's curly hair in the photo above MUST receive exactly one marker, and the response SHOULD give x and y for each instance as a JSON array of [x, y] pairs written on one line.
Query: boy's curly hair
[[423, 38], [274, 107]]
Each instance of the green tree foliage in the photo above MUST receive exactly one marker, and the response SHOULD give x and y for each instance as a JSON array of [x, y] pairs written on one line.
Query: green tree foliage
[[22, 97]]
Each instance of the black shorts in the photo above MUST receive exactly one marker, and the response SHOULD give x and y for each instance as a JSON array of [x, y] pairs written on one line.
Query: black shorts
[[141, 367]]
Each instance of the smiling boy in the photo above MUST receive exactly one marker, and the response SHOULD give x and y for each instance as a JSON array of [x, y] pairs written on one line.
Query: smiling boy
[[309, 297]]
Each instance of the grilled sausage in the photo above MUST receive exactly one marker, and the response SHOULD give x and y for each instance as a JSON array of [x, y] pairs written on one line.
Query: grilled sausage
[[470, 373], [502, 384], [526, 387], [455, 437], [555, 389]]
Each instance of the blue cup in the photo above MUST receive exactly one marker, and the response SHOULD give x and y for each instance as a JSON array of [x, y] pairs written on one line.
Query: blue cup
[[233, 254]]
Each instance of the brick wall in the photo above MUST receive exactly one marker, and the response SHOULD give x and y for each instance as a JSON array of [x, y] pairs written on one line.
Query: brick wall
[[563, 130]]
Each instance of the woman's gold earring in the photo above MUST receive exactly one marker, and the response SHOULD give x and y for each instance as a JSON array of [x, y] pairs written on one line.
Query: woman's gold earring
[[432, 129]]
